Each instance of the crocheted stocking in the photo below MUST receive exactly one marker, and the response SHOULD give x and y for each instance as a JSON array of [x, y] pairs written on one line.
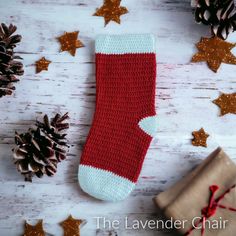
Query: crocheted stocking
[[125, 118]]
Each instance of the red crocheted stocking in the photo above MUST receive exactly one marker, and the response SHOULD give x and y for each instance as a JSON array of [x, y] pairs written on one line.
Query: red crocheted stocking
[[125, 118]]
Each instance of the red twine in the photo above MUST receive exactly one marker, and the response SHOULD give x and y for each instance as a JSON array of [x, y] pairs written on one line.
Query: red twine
[[212, 207]]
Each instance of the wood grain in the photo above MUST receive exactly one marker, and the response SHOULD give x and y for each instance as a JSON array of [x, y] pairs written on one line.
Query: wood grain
[[184, 94]]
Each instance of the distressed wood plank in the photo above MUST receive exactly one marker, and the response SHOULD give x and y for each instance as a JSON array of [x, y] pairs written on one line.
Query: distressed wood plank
[[184, 92]]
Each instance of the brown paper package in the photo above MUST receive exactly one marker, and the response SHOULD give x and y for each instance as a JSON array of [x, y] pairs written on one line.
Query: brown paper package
[[185, 200]]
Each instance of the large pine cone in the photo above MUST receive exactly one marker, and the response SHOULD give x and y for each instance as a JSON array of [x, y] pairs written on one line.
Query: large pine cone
[[10, 67], [219, 14], [39, 150]]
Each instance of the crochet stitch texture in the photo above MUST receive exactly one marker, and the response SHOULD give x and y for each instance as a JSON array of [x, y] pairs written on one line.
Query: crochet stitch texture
[[116, 145]]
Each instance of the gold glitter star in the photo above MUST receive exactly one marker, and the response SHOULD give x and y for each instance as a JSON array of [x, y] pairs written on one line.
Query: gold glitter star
[[69, 42], [36, 230], [226, 103], [111, 11], [42, 64], [71, 226], [200, 138], [214, 51]]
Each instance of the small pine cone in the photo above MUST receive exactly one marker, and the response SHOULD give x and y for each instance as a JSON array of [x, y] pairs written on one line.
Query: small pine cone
[[10, 67], [39, 150], [219, 14]]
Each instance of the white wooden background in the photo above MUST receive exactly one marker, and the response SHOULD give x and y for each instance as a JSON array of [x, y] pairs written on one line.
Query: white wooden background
[[184, 92]]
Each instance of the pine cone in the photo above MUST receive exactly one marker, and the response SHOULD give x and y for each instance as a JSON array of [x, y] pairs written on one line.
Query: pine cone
[[219, 14], [39, 150], [9, 64]]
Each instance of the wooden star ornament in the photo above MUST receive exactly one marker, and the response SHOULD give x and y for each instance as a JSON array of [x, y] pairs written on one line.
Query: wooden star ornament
[[226, 103], [36, 230], [70, 42], [200, 138], [214, 51], [71, 226], [111, 11], [42, 64]]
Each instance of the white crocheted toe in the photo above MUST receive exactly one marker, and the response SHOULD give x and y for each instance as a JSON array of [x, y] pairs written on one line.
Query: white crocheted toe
[[103, 184]]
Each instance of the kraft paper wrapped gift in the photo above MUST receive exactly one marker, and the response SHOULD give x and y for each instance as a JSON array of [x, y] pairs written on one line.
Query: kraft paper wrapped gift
[[191, 200]]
